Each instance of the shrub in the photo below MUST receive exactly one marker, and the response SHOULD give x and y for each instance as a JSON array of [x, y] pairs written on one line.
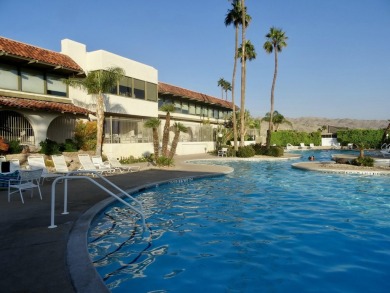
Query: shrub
[[15, 147], [363, 161], [363, 138], [49, 147], [131, 160], [273, 151], [68, 146], [85, 135], [164, 161], [245, 152]]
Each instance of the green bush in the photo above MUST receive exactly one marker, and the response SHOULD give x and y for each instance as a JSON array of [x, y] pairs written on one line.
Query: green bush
[[15, 147], [164, 161], [49, 147], [85, 135], [131, 160], [282, 138], [273, 151], [363, 138], [245, 152], [68, 146], [365, 161]]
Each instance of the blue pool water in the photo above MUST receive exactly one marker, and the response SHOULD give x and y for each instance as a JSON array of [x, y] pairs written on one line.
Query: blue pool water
[[264, 228]]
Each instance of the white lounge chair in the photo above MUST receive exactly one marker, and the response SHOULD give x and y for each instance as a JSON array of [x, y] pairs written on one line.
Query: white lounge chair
[[87, 165], [289, 146], [118, 166], [99, 164], [311, 146], [222, 152], [3, 159], [38, 162], [60, 165], [28, 179], [14, 164], [302, 145]]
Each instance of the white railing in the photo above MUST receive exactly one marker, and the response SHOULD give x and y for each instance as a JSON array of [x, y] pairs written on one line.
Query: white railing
[[74, 175]]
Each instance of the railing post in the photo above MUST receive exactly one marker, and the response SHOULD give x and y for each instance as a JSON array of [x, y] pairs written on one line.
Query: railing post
[[65, 212]]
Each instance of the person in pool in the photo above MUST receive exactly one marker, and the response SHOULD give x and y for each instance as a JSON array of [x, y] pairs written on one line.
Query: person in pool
[[311, 158]]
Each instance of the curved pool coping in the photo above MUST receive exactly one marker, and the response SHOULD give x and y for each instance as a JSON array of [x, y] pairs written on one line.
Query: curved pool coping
[[84, 276]]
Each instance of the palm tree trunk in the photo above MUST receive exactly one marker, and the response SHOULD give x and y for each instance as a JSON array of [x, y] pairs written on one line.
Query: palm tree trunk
[[165, 138], [99, 123], [174, 144], [242, 110], [270, 126], [155, 143], [233, 87]]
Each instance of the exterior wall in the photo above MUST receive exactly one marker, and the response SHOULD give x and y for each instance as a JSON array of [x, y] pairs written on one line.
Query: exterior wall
[[101, 59], [328, 141]]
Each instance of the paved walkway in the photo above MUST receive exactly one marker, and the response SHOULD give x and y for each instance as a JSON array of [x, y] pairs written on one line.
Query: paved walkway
[[34, 258]]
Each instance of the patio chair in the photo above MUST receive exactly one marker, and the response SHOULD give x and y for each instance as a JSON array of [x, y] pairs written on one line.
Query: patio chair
[[99, 164], [311, 146], [87, 165], [28, 180], [3, 159], [302, 145], [60, 165], [118, 166], [222, 152], [289, 146], [38, 162], [14, 165]]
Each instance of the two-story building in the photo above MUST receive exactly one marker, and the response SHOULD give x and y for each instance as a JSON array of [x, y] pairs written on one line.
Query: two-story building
[[31, 76]]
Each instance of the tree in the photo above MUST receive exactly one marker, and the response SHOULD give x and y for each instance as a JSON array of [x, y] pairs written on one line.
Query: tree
[[234, 16], [225, 86], [277, 119], [154, 123], [250, 52], [97, 83], [178, 128], [276, 41], [168, 108]]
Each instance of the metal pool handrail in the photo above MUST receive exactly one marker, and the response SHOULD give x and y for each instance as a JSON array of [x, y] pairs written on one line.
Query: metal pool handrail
[[70, 175]]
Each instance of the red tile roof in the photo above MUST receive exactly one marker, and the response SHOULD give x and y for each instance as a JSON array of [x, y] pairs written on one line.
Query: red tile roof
[[42, 105], [41, 55], [165, 88]]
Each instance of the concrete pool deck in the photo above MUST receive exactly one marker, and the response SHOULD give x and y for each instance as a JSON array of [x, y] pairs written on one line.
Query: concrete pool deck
[[34, 258]]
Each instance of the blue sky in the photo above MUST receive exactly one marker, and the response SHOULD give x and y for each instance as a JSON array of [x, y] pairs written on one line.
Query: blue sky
[[336, 64]]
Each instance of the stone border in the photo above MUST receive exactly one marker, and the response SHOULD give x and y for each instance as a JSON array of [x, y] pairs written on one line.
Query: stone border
[[330, 167]]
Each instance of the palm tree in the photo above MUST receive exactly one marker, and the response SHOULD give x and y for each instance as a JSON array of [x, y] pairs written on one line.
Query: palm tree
[[168, 108], [276, 41], [221, 83], [234, 16], [154, 123], [277, 119], [250, 52], [179, 127], [226, 87], [96, 83]]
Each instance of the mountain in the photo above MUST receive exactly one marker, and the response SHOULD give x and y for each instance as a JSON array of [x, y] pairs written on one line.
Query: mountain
[[310, 124]]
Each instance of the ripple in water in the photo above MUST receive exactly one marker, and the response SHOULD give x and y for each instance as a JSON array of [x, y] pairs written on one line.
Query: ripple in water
[[264, 228]]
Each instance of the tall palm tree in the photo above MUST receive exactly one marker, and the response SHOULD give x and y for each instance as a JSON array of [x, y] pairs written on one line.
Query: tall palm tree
[[234, 16], [226, 87], [277, 119], [97, 83], [179, 127], [168, 108], [250, 52], [276, 41], [154, 123], [243, 73], [221, 83]]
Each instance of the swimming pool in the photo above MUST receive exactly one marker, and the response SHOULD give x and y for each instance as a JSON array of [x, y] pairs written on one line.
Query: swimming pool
[[264, 228]]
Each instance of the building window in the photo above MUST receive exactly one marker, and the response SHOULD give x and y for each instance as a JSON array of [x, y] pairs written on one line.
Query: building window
[[139, 89], [9, 77], [32, 81], [151, 91], [55, 86], [198, 110], [191, 109], [177, 107], [184, 107], [125, 87]]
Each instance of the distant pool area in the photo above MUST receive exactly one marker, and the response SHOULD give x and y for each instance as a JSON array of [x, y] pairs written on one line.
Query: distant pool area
[[264, 228]]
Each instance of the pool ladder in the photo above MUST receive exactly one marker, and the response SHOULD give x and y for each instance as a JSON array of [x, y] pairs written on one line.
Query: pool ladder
[[76, 175]]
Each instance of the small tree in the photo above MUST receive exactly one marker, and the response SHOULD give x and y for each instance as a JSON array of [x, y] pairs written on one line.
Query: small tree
[[154, 123], [168, 108], [178, 128]]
